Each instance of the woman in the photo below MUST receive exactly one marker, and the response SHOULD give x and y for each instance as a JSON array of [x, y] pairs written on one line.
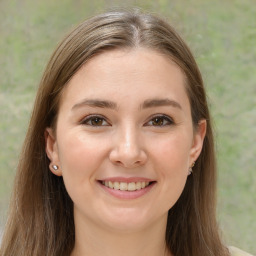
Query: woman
[[119, 155]]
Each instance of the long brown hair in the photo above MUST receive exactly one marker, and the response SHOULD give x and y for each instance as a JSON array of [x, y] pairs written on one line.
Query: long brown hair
[[41, 213]]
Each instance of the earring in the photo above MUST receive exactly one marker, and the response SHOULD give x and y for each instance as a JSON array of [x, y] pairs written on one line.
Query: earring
[[55, 167], [190, 170]]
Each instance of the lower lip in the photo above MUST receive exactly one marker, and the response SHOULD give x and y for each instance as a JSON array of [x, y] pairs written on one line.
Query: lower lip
[[128, 194]]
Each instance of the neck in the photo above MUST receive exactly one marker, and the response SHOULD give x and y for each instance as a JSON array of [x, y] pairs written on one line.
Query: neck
[[92, 240]]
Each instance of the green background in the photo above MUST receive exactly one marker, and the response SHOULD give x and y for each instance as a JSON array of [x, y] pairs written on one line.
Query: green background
[[222, 35]]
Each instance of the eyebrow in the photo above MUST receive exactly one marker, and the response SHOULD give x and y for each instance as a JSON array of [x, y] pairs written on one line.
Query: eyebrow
[[112, 105], [96, 103], [160, 103]]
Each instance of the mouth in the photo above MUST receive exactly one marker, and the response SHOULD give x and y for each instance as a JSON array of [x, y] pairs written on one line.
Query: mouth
[[126, 186]]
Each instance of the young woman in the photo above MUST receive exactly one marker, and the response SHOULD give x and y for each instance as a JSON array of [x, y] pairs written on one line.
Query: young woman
[[119, 155]]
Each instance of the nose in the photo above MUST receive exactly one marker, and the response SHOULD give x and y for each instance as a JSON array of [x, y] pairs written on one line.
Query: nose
[[127, 150]]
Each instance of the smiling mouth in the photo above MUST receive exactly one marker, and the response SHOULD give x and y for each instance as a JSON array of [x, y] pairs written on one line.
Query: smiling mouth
[[126, 186]]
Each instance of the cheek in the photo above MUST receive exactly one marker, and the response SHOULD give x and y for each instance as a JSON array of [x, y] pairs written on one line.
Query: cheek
[[173, 152], [79, 155], [171, 160]]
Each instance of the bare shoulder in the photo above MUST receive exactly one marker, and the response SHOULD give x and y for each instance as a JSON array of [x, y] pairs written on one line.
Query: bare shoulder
[[237, 252]]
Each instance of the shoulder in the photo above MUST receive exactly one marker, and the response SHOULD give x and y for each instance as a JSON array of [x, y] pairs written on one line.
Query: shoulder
[[237, 252]]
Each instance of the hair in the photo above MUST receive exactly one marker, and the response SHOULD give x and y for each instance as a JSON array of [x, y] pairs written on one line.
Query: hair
[[41, 221]]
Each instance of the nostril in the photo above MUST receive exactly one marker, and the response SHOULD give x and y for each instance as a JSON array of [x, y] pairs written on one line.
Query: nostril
[[127, 158], [128, 164]]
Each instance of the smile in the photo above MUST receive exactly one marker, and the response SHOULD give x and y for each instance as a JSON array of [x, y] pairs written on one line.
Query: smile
[[126, 186]]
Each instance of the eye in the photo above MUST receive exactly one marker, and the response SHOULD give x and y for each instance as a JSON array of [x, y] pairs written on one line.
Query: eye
[[160, 120], [95, 121]]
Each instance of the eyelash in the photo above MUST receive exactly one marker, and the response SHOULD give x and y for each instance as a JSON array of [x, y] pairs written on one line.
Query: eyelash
[[165, 121], [90, 118]]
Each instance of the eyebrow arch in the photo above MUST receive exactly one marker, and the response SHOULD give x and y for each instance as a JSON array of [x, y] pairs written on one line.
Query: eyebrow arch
[[96, 103], [112, 105], [160, 103]]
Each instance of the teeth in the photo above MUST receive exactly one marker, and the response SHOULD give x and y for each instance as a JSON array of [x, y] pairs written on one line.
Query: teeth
[[110, 184], [124, 186], [138, 185], [131, 186], [116, 185]]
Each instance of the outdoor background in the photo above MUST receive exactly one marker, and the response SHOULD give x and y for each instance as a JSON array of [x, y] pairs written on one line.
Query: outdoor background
[[222, 35]]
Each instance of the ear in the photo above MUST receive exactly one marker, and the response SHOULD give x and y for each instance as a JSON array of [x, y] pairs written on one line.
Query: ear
[[198, 141], [51, 150]]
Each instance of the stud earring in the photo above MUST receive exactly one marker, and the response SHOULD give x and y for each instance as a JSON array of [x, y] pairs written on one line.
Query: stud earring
[[190, 170], [55, 167]]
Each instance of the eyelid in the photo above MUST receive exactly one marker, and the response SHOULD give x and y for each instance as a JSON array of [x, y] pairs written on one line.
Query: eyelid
[[166, 117], [90, 117]]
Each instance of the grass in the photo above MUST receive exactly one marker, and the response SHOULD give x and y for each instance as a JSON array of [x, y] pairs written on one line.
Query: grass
[[222, 35]]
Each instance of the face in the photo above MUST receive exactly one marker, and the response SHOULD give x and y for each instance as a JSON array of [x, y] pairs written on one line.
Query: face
[[124, 139]]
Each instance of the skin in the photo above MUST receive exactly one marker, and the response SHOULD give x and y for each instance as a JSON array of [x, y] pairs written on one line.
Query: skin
[[126, 141]]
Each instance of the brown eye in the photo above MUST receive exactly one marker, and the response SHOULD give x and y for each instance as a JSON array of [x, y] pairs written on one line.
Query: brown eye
[[95, 121], [160, 121]]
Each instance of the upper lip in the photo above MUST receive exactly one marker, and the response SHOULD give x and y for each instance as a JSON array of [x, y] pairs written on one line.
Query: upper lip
[[127, 180]]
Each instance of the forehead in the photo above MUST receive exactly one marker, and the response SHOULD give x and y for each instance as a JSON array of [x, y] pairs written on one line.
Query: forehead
[[127, 73]]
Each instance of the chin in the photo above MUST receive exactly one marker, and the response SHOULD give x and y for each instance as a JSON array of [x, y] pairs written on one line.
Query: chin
[[127, 220]]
